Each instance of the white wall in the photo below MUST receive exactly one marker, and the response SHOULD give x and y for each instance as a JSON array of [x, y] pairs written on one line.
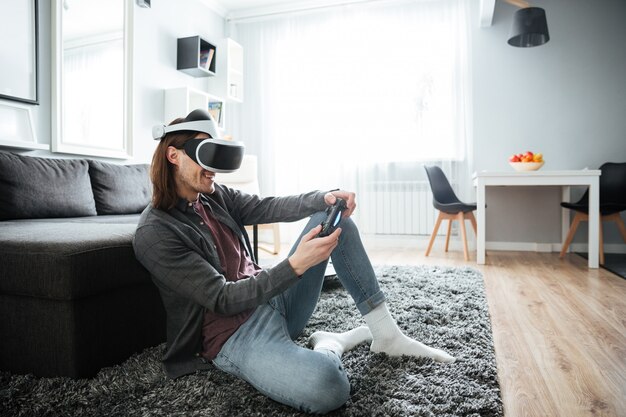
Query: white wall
[[156, 31], [566, 99]]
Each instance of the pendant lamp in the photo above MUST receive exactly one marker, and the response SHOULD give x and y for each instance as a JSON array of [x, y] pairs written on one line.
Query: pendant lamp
[[530, 28]]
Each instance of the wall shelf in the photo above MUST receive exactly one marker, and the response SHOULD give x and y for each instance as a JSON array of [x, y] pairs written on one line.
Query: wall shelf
[[229, 75], [196, 57], [179, 102]]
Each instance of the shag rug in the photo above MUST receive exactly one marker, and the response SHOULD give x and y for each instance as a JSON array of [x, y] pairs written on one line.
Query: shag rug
[[440, 306]]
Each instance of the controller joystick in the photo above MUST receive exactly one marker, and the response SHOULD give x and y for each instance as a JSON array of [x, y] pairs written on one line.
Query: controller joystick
[[333, 218]]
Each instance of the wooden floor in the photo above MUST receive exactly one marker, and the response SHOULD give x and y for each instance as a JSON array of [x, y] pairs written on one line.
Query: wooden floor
[[559, 328]]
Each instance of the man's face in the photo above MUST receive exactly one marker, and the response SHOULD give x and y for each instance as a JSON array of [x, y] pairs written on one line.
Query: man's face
[[191, 178]]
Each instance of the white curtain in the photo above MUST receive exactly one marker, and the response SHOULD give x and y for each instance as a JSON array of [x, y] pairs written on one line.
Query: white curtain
[[354, 94]]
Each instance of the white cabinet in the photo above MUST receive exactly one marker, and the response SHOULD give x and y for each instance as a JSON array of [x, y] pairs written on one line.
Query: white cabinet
[[179, 102], [228, 81]]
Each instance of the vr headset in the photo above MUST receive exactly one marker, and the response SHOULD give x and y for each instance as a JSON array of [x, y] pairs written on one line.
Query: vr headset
[[213, 154]]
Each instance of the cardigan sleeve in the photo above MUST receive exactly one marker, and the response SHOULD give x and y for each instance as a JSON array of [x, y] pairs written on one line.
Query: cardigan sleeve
[[252, 209]]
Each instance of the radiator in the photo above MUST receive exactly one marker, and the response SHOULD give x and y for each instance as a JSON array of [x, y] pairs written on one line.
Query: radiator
[[397, 208]]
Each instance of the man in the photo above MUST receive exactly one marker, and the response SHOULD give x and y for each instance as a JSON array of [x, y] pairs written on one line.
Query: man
[[224, 309]]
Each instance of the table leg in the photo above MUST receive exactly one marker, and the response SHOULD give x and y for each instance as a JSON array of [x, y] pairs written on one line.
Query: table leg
[[480, 213], [594, 222]]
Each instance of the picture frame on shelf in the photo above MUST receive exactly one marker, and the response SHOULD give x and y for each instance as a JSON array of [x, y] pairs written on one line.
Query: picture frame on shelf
[[17, 129], [216, 109]]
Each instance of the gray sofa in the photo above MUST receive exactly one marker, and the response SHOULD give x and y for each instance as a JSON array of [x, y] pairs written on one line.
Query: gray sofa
[[73, 298]]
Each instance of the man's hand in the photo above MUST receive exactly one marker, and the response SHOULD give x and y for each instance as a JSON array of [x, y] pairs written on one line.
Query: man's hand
[[311, 250], [350, 198]]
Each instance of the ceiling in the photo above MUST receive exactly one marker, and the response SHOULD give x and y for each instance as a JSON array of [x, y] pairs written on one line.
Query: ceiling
[[247, 9], [243, 9], [239, 5]]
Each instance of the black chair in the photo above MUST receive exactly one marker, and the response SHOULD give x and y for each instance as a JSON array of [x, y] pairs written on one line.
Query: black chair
[[449, 206], [612, 203]]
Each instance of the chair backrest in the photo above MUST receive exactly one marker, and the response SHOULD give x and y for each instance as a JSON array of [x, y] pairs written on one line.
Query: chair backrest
[[246, 178], [440, 186], [613, 183]]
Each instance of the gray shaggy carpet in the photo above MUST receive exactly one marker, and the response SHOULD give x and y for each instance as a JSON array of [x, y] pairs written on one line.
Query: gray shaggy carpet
[[440, 306]]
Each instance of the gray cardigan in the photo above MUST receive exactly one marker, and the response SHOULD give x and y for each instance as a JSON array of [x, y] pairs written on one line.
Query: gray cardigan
[[180, 254]]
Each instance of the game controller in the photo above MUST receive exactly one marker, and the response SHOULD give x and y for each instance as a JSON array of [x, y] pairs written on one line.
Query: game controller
[[333, 218]]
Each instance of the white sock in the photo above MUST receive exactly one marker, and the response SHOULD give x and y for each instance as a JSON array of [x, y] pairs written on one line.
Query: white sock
[[340, 342], [388, 338]]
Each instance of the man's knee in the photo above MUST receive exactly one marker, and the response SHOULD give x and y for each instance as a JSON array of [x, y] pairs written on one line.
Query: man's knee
[[330, 390], [347, 225]]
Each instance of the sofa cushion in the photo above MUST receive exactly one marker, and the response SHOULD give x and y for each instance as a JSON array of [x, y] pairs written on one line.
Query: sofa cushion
[[120, 189], [66, 259], [33, 187]]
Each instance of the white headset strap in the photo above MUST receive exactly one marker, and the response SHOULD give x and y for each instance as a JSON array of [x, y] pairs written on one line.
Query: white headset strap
[[205, 126]]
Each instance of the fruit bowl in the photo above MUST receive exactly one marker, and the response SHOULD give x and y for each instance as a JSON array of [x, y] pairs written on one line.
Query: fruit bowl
[[526, 166]]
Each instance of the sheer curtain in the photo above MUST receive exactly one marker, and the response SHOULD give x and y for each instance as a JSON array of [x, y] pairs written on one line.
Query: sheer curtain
[[355, 96]]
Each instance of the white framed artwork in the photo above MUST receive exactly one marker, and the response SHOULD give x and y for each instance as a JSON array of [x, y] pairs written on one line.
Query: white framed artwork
[[19, 51], [16, 127]]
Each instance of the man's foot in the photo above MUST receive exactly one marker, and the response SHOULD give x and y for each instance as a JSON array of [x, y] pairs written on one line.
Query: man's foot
[[403, 345], [340, 342], [388, 338]]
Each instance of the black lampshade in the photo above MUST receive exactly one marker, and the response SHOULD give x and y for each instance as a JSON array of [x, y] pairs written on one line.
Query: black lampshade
[[530, 28]]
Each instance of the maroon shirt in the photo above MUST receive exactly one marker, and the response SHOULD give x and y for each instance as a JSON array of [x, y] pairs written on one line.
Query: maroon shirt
[[237, 265]]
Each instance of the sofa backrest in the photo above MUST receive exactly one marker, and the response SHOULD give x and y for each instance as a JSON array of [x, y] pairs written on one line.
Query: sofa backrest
[[32, 187], [120, 189]]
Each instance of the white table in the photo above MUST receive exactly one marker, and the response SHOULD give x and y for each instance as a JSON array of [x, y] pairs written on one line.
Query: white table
[[564, 179]]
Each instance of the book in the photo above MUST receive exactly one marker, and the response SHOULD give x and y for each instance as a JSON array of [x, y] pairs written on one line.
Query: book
[[206, 56]]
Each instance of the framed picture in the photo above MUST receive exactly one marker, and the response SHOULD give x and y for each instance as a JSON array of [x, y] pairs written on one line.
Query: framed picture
[[216, 109], [19, 51], [16, 127]]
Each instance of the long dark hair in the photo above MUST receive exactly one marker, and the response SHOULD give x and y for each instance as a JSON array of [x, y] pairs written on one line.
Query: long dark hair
[[164, 195]]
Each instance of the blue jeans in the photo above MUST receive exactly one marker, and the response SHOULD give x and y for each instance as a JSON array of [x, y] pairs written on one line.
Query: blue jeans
[[262, 351]]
